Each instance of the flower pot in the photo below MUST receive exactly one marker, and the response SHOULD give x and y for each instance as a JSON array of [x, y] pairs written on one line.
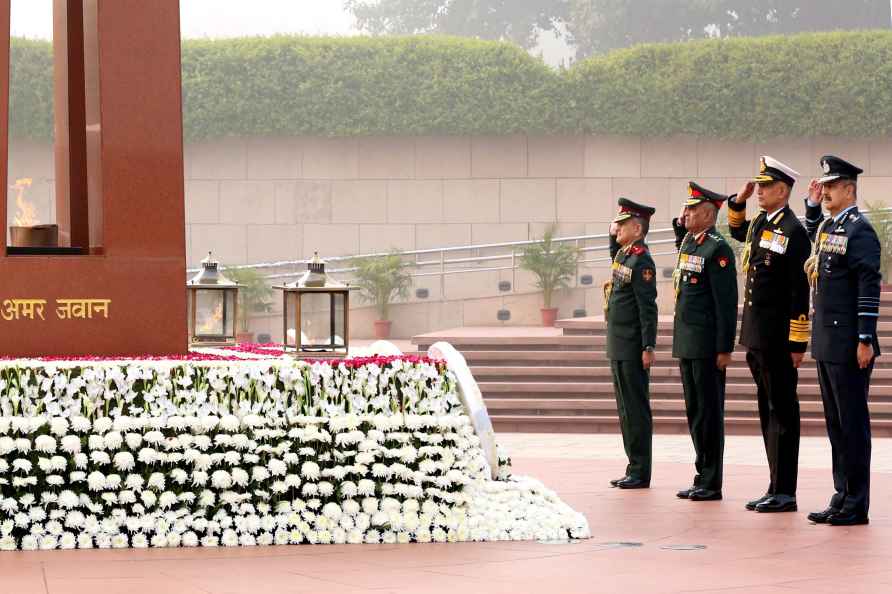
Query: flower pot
[[244, 337], [549, 316], [382, 329]]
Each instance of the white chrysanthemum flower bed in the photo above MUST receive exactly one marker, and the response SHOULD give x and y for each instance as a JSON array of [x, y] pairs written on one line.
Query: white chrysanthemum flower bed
[[168, 454]]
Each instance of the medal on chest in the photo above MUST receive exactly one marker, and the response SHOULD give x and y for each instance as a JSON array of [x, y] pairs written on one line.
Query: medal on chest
[[774, 242], [690, 263], [621, 274], [832, 243]]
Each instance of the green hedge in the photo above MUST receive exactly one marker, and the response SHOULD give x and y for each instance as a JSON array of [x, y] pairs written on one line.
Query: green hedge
[[837, 84], [811, 84]]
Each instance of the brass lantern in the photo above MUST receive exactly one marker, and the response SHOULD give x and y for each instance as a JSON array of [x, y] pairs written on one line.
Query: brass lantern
[[213, 306], [316, 313]]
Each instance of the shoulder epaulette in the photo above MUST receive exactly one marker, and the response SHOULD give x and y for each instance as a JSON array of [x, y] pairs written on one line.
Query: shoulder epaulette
[[637, 250]]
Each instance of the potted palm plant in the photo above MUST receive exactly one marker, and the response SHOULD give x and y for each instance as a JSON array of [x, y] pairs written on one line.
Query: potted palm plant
[[553, 264], [382, 280], [254, 296]]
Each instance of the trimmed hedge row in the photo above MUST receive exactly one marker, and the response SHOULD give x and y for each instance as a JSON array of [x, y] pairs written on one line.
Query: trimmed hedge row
[[810, 84]]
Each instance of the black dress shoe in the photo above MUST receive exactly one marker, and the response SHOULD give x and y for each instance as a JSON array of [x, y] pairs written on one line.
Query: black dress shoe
[[614, 482], [751, 505], [821, 517], [633, 483], [705, 495], [777, 504], [847, 519], [685, 493]]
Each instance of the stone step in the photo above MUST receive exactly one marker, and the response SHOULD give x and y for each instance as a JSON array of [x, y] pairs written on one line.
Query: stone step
[[533, 373], [659, 406], [559, 344], [732, 390], [734, 425], [547, 359], [598, 324]]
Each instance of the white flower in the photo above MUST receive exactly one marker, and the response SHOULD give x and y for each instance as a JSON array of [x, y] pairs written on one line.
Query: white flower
[[134, 482], [95, 442], [48, 542], [45, 444], [133, 440], [240, 477], [102, 425], [113, 440], [119, 541], [221, 480], [147, 456], [279, 468], [259, 474], [29, 543], [167, 499], [210, 541], [84, 541], [7, 543], [190, 539], [22, 465], [354, 536], [58, 426], [96, 481], [156, 481], [80, 424], [68, 499], [326, 489], [7, 445], [229, 538], [124, 461], [58, 463], [229, 423], [81, 461], [310, 470], [99, 458], [148, 498], [139, 541]]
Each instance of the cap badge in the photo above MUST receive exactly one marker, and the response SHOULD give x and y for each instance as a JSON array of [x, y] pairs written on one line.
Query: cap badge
[[826, 167], [762, 165]]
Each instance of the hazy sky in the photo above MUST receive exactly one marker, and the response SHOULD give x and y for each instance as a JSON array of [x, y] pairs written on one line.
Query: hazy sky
[[216, 18]]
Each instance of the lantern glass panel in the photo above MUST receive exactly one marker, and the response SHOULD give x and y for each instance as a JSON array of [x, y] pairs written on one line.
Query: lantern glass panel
[[340, 318], [316, 320], [210, 313], [229, 312], [290, 313]]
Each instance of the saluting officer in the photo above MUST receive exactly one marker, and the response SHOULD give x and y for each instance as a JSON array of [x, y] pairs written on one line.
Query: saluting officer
[[845, 273], [631, 312], [703, 334], [775, 328]]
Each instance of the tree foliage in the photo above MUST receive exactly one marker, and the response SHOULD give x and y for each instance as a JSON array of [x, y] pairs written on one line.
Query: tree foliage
[[518, 21], [597, 26]]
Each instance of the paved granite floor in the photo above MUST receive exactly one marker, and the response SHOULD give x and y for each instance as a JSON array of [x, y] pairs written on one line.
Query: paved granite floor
[[644, 541]]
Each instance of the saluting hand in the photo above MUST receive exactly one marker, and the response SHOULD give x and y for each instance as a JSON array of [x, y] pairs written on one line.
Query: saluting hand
[[746, 190], [647, 359], [797, 359], [614, 229], [814, 191], [722, 361], [865, 355]]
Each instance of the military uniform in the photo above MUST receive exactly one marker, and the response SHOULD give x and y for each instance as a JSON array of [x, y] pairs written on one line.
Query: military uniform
[[704, 325], [846, 276], [775, 324], [631, 313]]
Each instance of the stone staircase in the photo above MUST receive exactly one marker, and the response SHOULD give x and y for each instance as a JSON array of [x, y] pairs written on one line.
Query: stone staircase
[[558, 380]]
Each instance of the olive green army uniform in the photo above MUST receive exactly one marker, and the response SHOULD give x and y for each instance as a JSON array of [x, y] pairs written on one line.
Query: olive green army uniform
[[632, 328]]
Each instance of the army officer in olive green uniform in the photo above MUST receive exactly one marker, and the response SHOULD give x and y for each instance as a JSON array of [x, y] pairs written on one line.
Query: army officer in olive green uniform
[[631, 310], [703, 333]]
